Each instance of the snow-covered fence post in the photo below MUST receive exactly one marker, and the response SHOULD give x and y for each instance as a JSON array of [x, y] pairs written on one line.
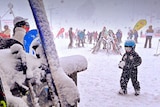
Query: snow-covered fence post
[[74, 77], [67, 91]]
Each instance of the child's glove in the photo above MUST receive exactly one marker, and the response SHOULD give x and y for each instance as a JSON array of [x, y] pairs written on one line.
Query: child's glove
[[121, 64]]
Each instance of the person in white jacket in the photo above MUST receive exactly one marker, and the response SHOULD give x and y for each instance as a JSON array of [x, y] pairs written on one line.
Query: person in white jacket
[[149, 34], [19, 30]]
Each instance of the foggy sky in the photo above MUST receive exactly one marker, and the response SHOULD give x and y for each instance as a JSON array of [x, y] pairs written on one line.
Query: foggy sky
[[90, 14]]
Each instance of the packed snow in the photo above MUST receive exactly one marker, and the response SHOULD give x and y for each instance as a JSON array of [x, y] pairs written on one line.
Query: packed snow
[[100, 83]]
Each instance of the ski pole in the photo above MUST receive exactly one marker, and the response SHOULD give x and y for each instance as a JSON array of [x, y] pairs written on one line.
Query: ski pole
[[157, 47], [3, 97], [32, 95]]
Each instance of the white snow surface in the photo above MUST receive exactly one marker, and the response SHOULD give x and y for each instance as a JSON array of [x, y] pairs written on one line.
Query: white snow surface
[[9, 75], [73, 63], [100, 83]]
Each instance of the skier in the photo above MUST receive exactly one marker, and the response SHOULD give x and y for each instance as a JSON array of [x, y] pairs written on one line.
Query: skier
[[130, 34], [70, 38], [104, 34], [81, 38], [135, 33], [149, 35], [19, 29], [129, 63], [119, 36]]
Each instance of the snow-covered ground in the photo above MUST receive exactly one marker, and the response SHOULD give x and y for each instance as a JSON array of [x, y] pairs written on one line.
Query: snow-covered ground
[[99, 84]]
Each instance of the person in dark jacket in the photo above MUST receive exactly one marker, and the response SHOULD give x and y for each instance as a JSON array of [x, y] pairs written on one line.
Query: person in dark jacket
[[70, 38], [129, 64], [119, 36], [135, 33]]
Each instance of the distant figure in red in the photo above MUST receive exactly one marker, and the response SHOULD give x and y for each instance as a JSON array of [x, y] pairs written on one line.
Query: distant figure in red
[[6, 33], [70, 38], [60, 33], [27, 27]]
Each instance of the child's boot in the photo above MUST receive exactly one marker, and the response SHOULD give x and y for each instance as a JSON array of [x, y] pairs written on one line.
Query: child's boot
[[122, 91], [137, 92]]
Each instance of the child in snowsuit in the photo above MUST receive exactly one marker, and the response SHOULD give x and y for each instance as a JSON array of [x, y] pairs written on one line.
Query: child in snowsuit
[[129, 63]]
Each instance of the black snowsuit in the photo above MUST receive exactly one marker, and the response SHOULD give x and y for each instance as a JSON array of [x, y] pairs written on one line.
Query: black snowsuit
[[132, 61]]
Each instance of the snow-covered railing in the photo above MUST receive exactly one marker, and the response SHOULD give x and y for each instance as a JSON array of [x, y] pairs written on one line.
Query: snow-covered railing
[[74, 63]]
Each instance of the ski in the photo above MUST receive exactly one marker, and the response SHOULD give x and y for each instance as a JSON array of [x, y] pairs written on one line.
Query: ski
[[157, 54], [3, 102]]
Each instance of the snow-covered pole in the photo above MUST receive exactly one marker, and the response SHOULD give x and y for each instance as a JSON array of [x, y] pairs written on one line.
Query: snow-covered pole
[[34, 100], [65, 86], [46, 35]]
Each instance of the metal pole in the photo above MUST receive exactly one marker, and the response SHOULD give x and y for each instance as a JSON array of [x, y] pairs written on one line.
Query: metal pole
[[10, 5]]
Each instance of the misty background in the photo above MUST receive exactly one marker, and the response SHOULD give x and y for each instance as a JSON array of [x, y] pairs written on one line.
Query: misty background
[[87, 14]]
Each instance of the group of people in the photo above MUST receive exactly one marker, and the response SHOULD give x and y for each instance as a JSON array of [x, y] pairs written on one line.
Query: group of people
[[103, 37], [148, 35], [79, 37], [129, 62], [133, 34], [111, 41], [130, 59]]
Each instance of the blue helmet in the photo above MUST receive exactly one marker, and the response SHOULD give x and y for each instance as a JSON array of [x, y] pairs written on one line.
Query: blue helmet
[[130, 43]]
